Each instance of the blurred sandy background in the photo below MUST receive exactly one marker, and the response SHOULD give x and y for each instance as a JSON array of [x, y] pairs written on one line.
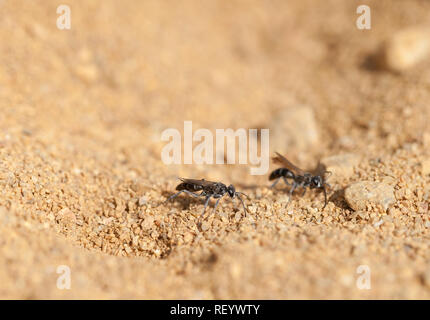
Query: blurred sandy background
[[81, 179]]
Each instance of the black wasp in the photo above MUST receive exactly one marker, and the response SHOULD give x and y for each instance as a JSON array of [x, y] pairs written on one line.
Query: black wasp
[[299, 177], [208, 190]]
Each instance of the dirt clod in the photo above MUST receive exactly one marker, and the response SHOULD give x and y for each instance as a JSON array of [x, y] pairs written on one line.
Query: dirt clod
[[360, 195], [406, 48]]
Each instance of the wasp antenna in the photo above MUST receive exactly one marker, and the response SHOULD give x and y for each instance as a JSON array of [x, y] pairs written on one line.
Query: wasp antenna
[[326, 184], [243, 194]]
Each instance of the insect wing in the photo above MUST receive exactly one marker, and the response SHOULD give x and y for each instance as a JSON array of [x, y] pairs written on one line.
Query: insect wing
[[283, 161], [203, 183]]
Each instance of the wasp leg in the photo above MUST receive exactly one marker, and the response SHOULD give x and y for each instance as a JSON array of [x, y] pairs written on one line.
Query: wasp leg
[[325, 197], [243, 205], [295, 185], [274, 183], [216, 205], [286, 181], [186, 191], [208, 197]]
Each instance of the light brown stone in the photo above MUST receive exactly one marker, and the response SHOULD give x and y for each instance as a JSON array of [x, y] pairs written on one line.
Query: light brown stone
[[360, 194]]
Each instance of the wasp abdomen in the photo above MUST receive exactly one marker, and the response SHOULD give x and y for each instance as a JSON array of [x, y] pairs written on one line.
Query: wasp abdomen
[[281, 172], [188, 187]]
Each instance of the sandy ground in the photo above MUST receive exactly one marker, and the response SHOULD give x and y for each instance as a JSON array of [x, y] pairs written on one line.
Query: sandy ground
[[82, 183]]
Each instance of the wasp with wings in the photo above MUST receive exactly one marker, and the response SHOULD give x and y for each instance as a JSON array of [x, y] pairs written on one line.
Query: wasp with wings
[[208, 190], [298, 177]]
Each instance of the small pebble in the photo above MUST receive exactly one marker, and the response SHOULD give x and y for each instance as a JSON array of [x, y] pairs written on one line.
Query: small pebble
[[360, 194], [238, 216], [88, 73], [205, 226], [142, 201], [405, 49], [66, 216], [378, 223], [188, 237], [147, 223], [258, 194]]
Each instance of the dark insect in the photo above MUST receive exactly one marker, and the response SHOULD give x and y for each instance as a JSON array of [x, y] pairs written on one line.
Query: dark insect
[[298, 177], [208, 190]]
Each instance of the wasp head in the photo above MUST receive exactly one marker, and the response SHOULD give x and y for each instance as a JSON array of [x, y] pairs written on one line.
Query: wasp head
[[231, 191], [316, 182]]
